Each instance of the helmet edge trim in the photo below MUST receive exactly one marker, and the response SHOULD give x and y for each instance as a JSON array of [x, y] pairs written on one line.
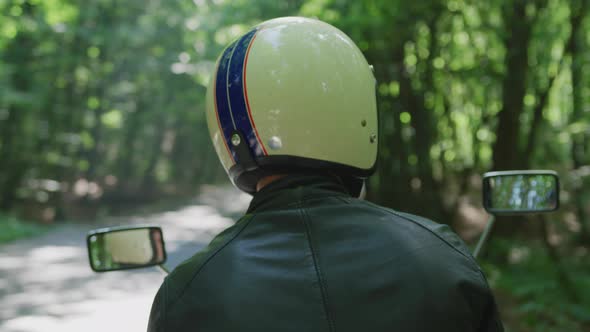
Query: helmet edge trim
[[246, 179]]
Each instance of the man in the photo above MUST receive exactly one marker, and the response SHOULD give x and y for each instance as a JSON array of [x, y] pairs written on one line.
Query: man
[[292, 113]]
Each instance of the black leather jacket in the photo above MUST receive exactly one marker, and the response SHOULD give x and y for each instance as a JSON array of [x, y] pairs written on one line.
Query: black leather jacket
[[308, 257]]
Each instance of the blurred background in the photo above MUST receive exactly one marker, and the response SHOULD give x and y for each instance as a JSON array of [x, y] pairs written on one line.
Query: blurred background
[[102, 116]]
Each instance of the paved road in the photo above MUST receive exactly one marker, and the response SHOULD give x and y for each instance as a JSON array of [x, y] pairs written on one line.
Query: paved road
[[46, 284]]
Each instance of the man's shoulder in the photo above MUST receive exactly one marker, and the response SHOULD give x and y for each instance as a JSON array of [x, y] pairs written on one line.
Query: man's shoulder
[[184, 274], [183, 280], [439, 230]]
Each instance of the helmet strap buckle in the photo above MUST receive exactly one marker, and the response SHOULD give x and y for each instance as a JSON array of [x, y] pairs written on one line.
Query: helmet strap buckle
[[244, 156]]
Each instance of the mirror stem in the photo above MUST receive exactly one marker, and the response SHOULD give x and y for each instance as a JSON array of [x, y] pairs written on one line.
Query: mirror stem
[[484, 236], [164, 269]]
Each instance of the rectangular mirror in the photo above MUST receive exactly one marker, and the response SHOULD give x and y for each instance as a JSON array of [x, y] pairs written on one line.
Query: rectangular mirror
[[122, 248], [520, 192]]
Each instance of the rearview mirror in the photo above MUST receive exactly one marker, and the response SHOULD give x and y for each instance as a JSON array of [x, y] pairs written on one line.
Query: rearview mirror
[[520, 192], [122, 248]]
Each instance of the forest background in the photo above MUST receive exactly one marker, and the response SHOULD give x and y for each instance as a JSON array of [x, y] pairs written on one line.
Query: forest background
[[102, 110]]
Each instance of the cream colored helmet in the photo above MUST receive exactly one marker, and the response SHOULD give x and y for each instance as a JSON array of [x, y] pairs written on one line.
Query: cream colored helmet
[[293, 95]]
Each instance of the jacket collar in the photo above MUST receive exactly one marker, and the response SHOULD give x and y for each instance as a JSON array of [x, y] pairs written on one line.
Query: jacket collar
[[294, 188]]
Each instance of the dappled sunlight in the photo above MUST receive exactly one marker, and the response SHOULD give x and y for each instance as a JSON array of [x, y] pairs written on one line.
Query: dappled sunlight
[[7, 263], [51, 288], [195, 217], [51, 254], [112, 314], [46, 283], [55, 272], [108, 107], [227, 200]]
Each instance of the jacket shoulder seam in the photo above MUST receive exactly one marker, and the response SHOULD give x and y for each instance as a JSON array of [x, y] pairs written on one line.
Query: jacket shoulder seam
[[323, 285], [402, 215], [208, 259], [164, 316]]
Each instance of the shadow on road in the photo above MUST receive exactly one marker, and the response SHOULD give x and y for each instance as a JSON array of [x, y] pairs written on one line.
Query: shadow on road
[[46, 283]]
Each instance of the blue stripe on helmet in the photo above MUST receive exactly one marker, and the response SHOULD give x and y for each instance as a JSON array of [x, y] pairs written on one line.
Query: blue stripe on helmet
[[231, 102], [223, 111]]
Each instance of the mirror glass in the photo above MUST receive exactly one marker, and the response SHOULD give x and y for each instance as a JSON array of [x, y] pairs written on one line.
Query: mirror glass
[[125, 248], [521, 193]]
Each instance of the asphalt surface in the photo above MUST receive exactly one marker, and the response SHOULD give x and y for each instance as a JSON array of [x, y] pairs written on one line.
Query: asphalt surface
[[47, 285]]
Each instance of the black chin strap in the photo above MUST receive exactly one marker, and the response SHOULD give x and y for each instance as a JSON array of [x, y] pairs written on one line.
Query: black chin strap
[[251, 172]]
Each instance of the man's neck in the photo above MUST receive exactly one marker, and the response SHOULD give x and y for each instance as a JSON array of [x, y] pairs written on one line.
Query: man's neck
[[265, 181]]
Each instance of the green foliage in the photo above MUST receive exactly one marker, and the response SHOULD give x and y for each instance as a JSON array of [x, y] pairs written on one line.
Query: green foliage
[[530, 292], [103, 101], [523, 192], [12, 228], [94, 90]]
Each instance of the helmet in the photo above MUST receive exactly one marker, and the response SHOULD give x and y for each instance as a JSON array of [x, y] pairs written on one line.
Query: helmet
[[293, 95]]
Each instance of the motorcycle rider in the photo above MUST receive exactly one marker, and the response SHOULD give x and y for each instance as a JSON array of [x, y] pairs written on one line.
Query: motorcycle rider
[[291, 110]]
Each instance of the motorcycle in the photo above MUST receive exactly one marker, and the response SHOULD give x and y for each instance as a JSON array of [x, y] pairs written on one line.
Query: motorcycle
[[504, 193]]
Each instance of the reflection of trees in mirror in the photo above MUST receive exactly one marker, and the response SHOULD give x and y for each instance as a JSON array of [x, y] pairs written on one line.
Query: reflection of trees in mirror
[[523, 192], [101, 257]]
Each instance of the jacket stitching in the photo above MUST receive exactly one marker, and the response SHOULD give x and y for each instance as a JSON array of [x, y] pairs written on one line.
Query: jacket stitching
[[346, 200], [469, 259], [164, 311], [323, 286], [311, 199], [213, 254]]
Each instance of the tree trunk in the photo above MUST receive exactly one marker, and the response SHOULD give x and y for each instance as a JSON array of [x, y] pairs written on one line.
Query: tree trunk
[[578, 140], [14, 159], [506, 148]]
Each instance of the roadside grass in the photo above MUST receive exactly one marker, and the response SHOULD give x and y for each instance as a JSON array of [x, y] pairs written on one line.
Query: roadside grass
[[538, 294], [12, 228]]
